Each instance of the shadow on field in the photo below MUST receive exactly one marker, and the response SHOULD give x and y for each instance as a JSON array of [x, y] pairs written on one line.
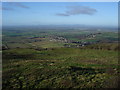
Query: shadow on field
[[86, 70]]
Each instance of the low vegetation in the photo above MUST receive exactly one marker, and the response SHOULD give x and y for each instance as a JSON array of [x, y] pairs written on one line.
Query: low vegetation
[[68, 59], [60, 68]]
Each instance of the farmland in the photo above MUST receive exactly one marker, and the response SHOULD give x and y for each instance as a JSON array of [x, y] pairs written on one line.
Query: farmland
[[58, 58], [45, 38]]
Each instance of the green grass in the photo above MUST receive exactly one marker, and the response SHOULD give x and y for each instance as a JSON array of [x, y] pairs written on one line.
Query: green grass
[[33, 66], [59, 68], [105, 46], [48, 44], [75, 54], [21, 39]]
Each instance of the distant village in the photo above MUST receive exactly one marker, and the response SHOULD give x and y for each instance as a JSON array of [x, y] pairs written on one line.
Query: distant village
[[75, 43]]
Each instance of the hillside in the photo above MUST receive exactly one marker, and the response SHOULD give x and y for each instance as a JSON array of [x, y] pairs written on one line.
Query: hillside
[[60, 68]]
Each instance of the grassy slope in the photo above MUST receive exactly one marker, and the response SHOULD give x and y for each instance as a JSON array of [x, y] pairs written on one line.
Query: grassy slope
[[60, 67], [104, 46]]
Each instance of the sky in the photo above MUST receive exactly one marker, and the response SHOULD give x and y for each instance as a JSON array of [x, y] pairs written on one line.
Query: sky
[[57, 13]]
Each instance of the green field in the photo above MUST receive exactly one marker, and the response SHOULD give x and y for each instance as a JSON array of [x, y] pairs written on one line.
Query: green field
[[41, 60], [60, 68], [50, 38]]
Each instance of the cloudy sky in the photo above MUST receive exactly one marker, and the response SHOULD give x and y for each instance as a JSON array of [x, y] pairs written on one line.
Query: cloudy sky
[[47, 13]]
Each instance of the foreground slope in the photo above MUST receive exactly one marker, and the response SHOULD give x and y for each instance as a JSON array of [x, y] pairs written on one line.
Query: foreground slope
[[60, 68]]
